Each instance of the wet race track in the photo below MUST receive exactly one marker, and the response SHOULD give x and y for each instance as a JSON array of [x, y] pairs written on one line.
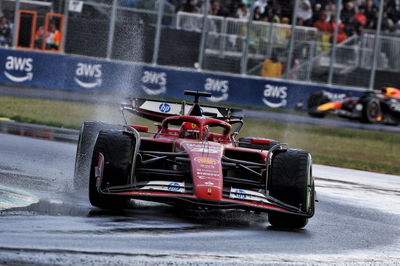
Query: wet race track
[[357, 220]]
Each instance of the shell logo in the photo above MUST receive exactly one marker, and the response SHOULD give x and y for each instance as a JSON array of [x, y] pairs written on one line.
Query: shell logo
[[205, 160]]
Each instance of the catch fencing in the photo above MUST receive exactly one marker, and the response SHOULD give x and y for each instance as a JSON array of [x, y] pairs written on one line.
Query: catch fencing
[[153, 32]]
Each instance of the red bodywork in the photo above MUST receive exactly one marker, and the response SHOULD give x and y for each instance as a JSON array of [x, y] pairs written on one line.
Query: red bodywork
[[205, 152], [209, 155]]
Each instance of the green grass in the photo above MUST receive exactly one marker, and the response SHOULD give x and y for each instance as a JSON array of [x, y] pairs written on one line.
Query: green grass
[[358, 149]]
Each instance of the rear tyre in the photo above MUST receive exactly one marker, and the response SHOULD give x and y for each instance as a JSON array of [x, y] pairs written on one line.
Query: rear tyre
[[315, 100], [245, 143], [291, 182], [84, 151], [117, 148], [372, 111]]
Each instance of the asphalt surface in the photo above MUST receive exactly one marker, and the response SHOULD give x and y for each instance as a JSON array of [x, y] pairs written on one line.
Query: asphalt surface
[[357, 221], [102, 97]]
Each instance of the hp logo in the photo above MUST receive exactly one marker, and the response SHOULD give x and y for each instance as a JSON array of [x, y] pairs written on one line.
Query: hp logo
[[240, 194], [164, 108], [174, 187]]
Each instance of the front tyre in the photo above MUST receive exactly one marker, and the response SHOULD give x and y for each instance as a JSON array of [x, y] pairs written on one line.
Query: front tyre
[[84, 151], [117, 148], [315, 100], [291, 182]]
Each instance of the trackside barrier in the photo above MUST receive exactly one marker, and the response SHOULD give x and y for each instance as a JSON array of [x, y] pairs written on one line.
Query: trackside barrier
[[87, 74]]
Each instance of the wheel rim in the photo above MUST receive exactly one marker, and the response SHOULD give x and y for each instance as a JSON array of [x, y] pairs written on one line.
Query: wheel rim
[[373, 111]]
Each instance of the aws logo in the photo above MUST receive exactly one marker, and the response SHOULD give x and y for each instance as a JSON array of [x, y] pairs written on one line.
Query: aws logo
[[275, 96], [88, 76], [154, 83], [20, 68], [220, 87]]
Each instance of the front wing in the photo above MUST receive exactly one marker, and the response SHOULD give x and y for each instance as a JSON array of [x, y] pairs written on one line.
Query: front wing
[[174, 193]]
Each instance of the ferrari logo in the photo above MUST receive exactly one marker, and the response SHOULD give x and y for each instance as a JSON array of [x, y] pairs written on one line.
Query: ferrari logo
[[209, 190]]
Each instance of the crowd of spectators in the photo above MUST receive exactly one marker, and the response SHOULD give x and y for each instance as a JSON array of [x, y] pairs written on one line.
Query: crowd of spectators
[[6, 26], [356, 15], [5, 32]]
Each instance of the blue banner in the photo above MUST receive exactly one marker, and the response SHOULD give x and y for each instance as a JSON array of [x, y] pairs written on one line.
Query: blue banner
[[64, 72]]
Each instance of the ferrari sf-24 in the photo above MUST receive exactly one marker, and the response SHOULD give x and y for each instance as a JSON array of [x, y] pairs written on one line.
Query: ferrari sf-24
[[193, 160]]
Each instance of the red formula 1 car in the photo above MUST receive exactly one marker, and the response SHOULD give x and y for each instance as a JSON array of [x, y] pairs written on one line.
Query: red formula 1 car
[[194, 160], [381, 106]]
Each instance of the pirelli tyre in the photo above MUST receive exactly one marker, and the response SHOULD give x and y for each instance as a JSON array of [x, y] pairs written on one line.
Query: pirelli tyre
[[87, 138], [315, 100], [117, 148], [246, 143], [371, 111], [291, 182]]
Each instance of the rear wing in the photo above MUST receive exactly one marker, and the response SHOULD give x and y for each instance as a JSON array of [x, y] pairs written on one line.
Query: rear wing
[[158, 110]]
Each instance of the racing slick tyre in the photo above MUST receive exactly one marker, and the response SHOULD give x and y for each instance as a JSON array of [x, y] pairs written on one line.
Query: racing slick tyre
[[86, 141], [315, 100], [246, 143], [371, 111], [117, 148], [291, 182]]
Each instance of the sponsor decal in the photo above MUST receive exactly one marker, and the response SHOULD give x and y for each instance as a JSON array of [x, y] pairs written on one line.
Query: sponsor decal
[[208, 183], [88, 76], [205, 160], [275, 96], [154, 83], [239, 194], [21, 65], [207, 177], [209, 166], [165, 186], [219, 87], [164, 108], [206, 150], [395, 107], [208, 186], [174, 187], [214, 174], [335, 96]]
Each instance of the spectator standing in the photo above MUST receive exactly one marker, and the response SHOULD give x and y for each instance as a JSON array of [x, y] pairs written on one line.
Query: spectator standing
[[387, 23], [272, 68], [360, 16], [257, 13], [371, 11], [304, 12], [322, 24], [5, 32], [243, 12], [189, 6], [317, 13], [262, 4], [348, 13], [282, 36], [215, 9], [342, 36]]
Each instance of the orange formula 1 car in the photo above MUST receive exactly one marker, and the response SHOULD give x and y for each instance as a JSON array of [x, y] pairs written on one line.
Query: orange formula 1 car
[[381, 106]]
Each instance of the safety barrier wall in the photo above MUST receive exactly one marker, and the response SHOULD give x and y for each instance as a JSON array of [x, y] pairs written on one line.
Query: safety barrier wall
[[86, 74]]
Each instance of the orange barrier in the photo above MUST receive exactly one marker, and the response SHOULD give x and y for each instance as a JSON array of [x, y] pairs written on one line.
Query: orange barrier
[[45, 38], [22, 41]]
